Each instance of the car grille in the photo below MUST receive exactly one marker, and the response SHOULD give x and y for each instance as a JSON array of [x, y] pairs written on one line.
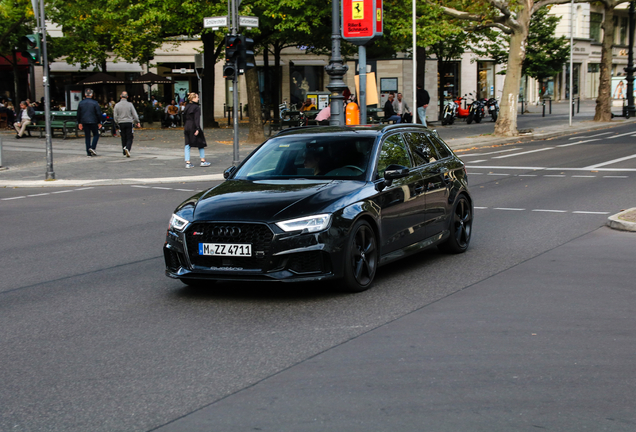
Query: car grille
[[258, 235]]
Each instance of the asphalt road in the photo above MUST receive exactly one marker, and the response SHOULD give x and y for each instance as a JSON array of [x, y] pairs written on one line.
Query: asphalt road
[[94, 337]]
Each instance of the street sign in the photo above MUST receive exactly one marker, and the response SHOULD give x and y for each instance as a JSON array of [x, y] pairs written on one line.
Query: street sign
[[183, 71], [248, 21], [215, 22], [362, 20]]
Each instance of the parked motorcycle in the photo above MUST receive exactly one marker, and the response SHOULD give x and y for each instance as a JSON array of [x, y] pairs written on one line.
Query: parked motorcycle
[[476, 111], [493, 108], [450, 110], [461, 112]]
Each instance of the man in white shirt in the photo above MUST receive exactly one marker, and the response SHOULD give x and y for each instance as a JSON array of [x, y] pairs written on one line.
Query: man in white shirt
[[402, 109], [25, 118]]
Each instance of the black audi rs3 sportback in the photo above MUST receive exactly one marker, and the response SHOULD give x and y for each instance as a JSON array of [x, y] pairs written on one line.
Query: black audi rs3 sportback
[[317, 203]]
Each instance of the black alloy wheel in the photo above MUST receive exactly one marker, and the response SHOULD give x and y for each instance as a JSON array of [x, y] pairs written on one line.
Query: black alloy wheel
[[361, 259], [461, 226]]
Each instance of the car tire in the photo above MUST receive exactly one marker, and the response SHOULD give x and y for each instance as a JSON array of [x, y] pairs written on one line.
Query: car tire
[[361, 259], [460, 227]]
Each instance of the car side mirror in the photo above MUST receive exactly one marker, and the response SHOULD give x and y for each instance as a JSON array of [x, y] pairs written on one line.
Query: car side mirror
[[228, 172], [393, 172]]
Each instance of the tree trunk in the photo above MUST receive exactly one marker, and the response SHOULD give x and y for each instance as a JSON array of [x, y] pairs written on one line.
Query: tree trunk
[[275, 99], [506, 124], [604, 100], [16, 82], [209, 61], [267, 97], [256, 135]]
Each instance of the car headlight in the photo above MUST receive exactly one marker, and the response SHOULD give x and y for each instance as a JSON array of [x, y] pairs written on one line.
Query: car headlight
[[307, 224], [178, 223]]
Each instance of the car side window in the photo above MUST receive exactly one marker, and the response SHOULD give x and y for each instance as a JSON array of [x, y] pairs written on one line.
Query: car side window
[[440, 147], [393, 152], [413, 141]]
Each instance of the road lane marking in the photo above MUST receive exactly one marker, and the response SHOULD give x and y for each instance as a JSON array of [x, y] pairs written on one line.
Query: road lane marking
[[162, 188], [579, 142], [524, 153], [583, 176], [615, 176], [13, 198], [142, 187], [506, 167], [478, 161], [42, 194], [527, 175], [620, 135], [550, 211], [591, 136], [497, 174], [509, 209], [185, 190], [64, 191], [490, 153], [613, 161], [590, 212]]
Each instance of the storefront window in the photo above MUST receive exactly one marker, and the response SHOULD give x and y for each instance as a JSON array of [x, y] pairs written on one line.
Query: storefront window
[[592, 81], [303, 80], [485, 80]]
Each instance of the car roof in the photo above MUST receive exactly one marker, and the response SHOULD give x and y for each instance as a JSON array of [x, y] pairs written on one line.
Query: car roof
[[369, 130]]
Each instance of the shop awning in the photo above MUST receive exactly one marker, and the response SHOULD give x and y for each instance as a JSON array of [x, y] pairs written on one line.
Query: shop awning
[[110, 67], [313, 62]]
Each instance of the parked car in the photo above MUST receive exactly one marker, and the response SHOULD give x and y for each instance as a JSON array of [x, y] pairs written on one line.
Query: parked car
[[318, 203]]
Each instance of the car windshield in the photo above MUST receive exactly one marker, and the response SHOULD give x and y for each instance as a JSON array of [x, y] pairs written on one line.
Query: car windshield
[[302, 156]]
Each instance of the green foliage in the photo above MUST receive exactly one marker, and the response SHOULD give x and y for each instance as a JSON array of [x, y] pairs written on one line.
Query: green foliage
[[16, 21], [545, 53]]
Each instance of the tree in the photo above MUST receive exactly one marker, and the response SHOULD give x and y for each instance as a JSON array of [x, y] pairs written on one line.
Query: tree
[[545, 53], [512, 17], [16, 21]]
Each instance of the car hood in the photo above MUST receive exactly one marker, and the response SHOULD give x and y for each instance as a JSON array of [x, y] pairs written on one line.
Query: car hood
[[271, 200]]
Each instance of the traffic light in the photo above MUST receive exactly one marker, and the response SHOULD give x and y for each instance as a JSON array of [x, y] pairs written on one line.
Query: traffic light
[[246, 59], [33, 48], [232, 47], [229, 70]]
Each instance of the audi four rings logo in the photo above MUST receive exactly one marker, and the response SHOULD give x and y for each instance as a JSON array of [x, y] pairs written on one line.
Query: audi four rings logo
[[226, 231]]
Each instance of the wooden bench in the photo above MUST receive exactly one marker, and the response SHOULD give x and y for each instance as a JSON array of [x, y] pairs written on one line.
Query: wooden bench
[[64, 121]]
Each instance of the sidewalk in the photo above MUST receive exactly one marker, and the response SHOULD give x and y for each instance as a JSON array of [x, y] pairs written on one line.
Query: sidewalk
[[157, 154]]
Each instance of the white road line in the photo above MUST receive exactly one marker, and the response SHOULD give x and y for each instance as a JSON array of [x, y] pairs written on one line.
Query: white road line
[[478, 161], [578, 142], [142, 187], [489, 153], [611, 162], [86, 188], [474, 173], [550, 211], [185, 190], [583, 176], [590, 212], [162, 188], [42, 194], [554, 175], [604, 133], [509, 209], [480, 208], [615, 176], [620, 135], [12, 198], [527, 175], [524, 153], [64, 191], [549, 169], [497, 174]]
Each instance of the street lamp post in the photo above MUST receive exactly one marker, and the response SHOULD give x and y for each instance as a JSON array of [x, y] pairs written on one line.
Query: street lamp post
[[631, 110], [336, 69]]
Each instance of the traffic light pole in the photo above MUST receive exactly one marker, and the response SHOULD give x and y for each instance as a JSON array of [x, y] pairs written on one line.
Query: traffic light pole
[[50, 174], [235, 98]]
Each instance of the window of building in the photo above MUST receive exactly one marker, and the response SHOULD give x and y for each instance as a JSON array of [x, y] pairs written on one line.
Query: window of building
[[596, 19], [622, 34], [303, 80], [485, 80]]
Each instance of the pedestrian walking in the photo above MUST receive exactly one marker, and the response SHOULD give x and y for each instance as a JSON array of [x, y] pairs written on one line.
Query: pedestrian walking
[[89, 119], [24, 118], [192, 130], [125, 115], [422, 99]]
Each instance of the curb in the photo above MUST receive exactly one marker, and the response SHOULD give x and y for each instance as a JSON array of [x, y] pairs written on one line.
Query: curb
[[616, 223], [109, 182]]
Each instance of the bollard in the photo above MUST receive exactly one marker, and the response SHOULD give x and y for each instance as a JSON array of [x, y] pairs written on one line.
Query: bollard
[[241, 111], [229, 117], [578, 104], [522, 107], [543, 115], [572, 108], [0, 152], [550, 101], [224, 110]]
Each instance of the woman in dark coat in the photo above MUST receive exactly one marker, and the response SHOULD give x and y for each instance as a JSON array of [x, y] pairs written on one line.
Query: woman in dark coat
[[192, 130]]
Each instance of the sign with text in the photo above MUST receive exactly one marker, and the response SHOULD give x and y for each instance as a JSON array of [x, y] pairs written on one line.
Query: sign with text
[[215, 22], [362, 20]]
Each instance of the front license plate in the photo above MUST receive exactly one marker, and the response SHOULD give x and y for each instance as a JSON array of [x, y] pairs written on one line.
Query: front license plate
[[225, 249]]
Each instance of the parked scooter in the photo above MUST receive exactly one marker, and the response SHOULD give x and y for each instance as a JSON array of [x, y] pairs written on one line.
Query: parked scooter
[[493, 108], [461, 112], [476, 111]]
